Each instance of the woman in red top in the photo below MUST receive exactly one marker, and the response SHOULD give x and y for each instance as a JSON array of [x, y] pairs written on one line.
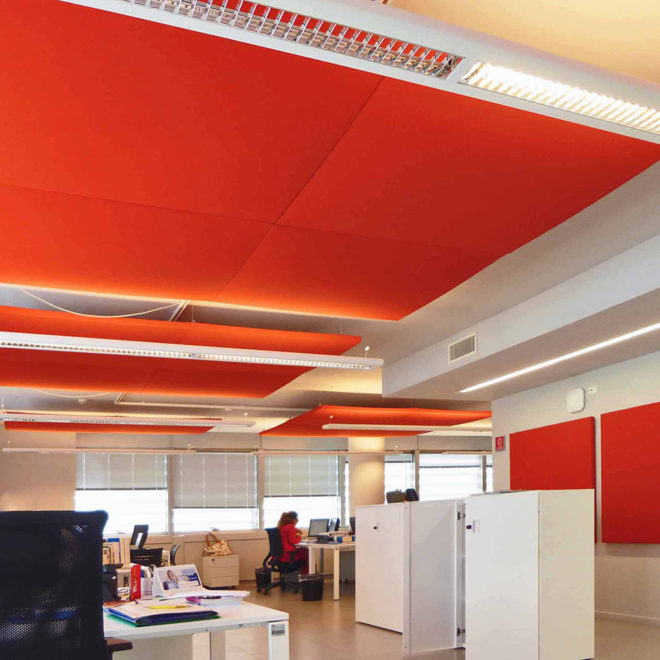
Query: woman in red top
[[291, 535]]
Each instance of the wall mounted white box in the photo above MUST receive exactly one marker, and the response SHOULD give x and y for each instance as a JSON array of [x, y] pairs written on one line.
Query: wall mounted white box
[[529, 576]]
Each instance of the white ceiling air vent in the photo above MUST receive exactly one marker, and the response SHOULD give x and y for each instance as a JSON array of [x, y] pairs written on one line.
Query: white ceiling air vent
[[299, 28], [462, 348]]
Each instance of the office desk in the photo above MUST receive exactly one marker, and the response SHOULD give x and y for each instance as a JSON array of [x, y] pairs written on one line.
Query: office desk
[[174, 641], [337, 549]]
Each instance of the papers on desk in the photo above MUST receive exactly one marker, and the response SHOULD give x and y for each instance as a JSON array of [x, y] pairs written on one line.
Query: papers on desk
[[140, 614]]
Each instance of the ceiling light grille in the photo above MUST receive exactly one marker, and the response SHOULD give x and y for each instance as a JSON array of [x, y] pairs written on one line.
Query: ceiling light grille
[[314, 32], [558, 95]]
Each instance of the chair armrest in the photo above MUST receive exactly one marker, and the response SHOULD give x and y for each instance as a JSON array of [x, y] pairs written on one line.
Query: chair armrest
[[113, 645]]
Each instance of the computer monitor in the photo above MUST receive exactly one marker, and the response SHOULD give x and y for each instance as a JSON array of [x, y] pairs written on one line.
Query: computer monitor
[[139, 537], [352, 522], [394, 496], [333, 525], [318, 526], [411, 495], [147, 556]]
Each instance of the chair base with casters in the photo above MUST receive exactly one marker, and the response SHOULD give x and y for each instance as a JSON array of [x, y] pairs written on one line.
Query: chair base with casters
[[289, 571]]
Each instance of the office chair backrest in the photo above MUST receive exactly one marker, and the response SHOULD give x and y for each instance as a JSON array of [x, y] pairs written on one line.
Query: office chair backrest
[[50, 585], [275, 547], [173, 552]]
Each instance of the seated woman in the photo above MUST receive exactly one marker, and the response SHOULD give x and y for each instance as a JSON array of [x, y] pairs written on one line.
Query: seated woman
[[291, 535]]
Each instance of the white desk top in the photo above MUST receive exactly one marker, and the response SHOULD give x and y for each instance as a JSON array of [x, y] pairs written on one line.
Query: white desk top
[[232, 616], [329, 546]]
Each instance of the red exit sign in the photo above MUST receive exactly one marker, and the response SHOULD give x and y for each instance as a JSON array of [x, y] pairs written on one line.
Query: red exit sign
[[500, 443]]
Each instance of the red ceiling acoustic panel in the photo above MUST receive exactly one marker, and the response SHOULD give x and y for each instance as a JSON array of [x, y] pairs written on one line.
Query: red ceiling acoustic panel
[[556, 457], [153, 161], [105, 428], [119, 373], [310, 424], [630, 464]]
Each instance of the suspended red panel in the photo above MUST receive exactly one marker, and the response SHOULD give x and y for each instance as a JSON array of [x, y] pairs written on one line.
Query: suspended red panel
[[168, 118], [120, 373], [310, 424], [105, 428]]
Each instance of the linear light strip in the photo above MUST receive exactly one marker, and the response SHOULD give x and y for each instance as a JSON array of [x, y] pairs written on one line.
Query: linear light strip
[[35, 342], [558, 95], [128, 421], [563, 358], [310, 31], [403, 427]]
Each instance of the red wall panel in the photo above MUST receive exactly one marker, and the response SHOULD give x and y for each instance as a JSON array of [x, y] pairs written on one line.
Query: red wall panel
[[630, 455], [556, 457]]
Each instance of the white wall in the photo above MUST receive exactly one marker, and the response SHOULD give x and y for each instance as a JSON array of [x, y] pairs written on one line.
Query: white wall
[[36, 481], [627, 575]]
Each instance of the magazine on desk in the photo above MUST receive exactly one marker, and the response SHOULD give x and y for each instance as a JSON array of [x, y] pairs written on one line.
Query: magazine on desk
[[141, 614], [183, 581]]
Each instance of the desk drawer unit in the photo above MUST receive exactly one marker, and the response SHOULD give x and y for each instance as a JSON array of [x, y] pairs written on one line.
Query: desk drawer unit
[[220, 571]]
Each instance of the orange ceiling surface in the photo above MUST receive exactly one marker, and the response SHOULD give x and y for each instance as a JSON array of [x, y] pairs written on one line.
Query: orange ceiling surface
[[310, 424], [148, 160], [105, 428], [119, 373]]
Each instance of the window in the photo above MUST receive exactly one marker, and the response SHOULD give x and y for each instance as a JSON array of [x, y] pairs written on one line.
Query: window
[[399, 472], [214, 490], [489, 473], [308, 484], [443, 476], [132, 488]]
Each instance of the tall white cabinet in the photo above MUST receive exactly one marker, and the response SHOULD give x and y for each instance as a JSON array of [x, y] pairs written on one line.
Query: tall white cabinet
[[529, 576], [409, 571]]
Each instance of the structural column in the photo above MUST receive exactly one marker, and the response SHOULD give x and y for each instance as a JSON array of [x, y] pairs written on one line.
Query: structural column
[[366, 472]]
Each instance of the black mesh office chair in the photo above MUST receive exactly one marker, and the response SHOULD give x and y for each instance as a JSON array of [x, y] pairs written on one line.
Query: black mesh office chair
[[173, 553], [273, 562], [50, 586]]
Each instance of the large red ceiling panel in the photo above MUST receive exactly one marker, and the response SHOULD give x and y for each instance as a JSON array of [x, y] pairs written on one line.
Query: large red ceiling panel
[[383, 195], [310, 424], [352, 275], [74, 242], [118, 373], [103, 105], [105, 428], [441, 168]]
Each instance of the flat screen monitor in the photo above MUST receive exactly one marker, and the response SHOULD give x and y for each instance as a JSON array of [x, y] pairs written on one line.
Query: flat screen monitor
[[352, 521], [318, 526], [394, 496], [147, 556], [333, 525], [139, 537]]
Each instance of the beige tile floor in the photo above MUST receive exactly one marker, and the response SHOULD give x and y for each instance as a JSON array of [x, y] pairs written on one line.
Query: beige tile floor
[[326, 630]]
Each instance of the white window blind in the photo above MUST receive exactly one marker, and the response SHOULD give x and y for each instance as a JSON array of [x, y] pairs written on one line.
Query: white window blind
[[443, 476], [121, 471], [303, 475], [306, 483], [132, 488], [399, 472], [214, 490]]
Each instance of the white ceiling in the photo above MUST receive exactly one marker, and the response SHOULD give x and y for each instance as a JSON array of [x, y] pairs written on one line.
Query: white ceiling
[[617, 36]]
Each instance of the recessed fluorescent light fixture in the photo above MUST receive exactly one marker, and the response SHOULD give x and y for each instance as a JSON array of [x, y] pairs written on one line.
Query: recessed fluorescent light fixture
[[563, 358], [264, 21], [438, 430], [34, 342], [396, 427], [61, 418], [558, 95]]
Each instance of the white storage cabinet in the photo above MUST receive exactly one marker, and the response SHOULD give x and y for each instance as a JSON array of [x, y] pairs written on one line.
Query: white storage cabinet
[[220, 571]]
